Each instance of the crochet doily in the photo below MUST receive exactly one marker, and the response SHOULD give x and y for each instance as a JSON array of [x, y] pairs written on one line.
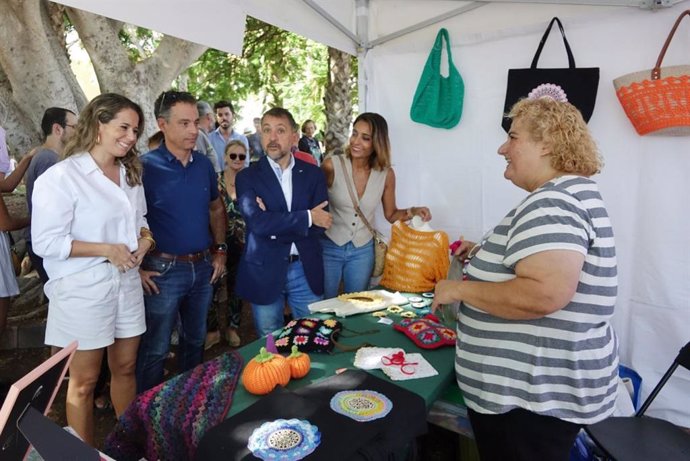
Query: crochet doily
[[284, 439], [363, 298], [361, 405], [369, 358], [417, 367]]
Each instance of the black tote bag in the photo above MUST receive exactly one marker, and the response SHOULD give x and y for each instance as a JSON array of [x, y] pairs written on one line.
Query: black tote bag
[[576, 85]]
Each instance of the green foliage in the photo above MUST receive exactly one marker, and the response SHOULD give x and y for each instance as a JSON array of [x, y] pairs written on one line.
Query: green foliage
[[277, 68], [140, 42]]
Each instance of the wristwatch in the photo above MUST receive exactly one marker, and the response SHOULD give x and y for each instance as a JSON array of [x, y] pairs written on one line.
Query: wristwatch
[[219, 248]]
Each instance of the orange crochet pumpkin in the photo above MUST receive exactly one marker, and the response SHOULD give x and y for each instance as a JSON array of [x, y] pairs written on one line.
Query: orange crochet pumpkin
[[264, 372], [300, 363]]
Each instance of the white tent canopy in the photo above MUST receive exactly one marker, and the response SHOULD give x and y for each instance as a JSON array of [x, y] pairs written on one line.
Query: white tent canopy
[[646, 180]]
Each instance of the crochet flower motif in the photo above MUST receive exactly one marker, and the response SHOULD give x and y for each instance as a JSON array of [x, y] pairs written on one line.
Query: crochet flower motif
[[330, 323], [283, 342], [416, 327], [325, 331], [548, 90], [321, 341], [301, 340]]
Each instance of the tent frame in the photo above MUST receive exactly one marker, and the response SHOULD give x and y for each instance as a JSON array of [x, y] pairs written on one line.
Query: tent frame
[[363, 45]]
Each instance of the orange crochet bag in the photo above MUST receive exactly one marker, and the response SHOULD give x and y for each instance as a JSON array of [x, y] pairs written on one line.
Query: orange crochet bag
[[415, 260], [657, 101]]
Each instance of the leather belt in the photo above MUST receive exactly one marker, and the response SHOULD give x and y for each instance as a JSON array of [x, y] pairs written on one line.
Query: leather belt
[[188, 258], [293, 258]]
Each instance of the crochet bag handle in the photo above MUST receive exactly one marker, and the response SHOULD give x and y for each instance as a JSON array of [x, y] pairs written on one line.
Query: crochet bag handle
[[345, 348], [571, 59], [354, 201], [656, 72]]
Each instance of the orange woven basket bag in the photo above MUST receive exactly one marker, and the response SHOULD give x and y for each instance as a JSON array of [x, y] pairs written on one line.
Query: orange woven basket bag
[[657, 101]]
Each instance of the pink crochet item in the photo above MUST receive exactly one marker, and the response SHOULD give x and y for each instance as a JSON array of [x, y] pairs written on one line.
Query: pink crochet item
[[427, 332]]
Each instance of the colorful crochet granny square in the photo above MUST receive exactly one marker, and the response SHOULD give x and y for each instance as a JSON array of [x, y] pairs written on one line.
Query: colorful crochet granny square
[[427, 332], [361, 405], [309, 335], [284, 439]]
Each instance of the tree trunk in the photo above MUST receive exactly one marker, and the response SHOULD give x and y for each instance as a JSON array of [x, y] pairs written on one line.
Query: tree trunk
[[35, 70], [338, 100], [30, 60], [141, 81]]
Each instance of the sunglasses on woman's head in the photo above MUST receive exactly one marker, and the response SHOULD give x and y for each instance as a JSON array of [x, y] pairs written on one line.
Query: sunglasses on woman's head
[[234, 156]]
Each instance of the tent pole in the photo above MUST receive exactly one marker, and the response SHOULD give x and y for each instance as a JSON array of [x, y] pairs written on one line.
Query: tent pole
[[328, 17], [428, 22], [362, 24]]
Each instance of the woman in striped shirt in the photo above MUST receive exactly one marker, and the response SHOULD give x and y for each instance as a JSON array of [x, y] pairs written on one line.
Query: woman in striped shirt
[[536, 355]]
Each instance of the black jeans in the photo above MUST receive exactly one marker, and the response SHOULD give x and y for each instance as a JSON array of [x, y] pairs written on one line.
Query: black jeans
[[521, 435]]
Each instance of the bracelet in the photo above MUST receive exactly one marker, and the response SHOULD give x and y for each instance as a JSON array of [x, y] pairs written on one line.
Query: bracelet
[[146, 234]]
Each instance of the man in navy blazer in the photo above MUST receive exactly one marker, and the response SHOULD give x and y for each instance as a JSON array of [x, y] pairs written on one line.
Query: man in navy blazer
[[283, 201]]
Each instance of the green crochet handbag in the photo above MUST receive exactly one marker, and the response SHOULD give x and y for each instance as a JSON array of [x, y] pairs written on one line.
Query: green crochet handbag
[[438, 99]]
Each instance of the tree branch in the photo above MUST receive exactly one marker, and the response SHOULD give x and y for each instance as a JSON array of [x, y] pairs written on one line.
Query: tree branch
[[172, 56], [99, 35]]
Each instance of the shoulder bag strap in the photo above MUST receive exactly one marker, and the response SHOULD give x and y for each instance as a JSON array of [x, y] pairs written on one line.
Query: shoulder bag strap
[[437, 51], [571, 59], [656, 72], [352, 197]]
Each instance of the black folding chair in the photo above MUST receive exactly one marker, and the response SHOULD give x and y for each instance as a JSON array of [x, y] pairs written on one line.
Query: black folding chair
[[643, 437]]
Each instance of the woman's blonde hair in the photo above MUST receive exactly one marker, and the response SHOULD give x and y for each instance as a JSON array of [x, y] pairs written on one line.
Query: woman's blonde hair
[[560, 126], [103, 109], [234, 142], [381, 156]]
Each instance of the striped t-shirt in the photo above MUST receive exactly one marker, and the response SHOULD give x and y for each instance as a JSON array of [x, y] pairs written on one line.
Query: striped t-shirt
[[564, 364]]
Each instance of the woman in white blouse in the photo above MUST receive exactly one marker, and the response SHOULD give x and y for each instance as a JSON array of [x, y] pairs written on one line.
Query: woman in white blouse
[[88, 224]]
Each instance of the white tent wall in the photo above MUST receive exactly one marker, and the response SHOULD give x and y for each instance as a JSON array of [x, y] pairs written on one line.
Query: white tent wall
[[456, 172], [459, 175]]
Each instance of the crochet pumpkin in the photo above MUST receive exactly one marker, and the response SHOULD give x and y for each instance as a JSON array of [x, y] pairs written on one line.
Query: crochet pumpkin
[[300, 363], [264, 372]]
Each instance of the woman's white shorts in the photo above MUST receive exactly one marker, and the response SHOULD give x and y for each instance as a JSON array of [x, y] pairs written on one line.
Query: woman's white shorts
[[95, 306]]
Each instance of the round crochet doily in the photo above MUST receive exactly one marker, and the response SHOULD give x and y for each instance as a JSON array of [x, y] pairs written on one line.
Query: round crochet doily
[[284, 439], [361, 405]]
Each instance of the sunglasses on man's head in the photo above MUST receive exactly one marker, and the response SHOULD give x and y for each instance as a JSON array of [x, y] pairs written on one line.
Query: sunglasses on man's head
[[234, 156]]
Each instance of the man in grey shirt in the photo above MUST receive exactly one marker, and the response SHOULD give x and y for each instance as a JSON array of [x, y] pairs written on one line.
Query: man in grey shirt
[[203, 143], [58, 126]]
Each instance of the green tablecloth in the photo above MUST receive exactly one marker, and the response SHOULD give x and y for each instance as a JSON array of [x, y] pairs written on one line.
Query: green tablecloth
[[325, 365]]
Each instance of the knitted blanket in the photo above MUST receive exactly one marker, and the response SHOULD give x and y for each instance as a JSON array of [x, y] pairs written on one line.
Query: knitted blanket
[[168, 421]]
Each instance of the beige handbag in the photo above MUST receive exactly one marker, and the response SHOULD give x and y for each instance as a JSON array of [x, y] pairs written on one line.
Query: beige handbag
[[380, 245]]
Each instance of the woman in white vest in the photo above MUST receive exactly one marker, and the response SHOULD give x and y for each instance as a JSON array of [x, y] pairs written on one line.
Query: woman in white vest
[[348, 247]]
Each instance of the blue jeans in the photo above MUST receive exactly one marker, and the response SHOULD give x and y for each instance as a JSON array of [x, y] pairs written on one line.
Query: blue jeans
[[185, 292], [269, 317], [348, 263]]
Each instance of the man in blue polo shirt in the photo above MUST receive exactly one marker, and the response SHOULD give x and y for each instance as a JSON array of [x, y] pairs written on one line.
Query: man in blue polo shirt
[[183, 204]]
